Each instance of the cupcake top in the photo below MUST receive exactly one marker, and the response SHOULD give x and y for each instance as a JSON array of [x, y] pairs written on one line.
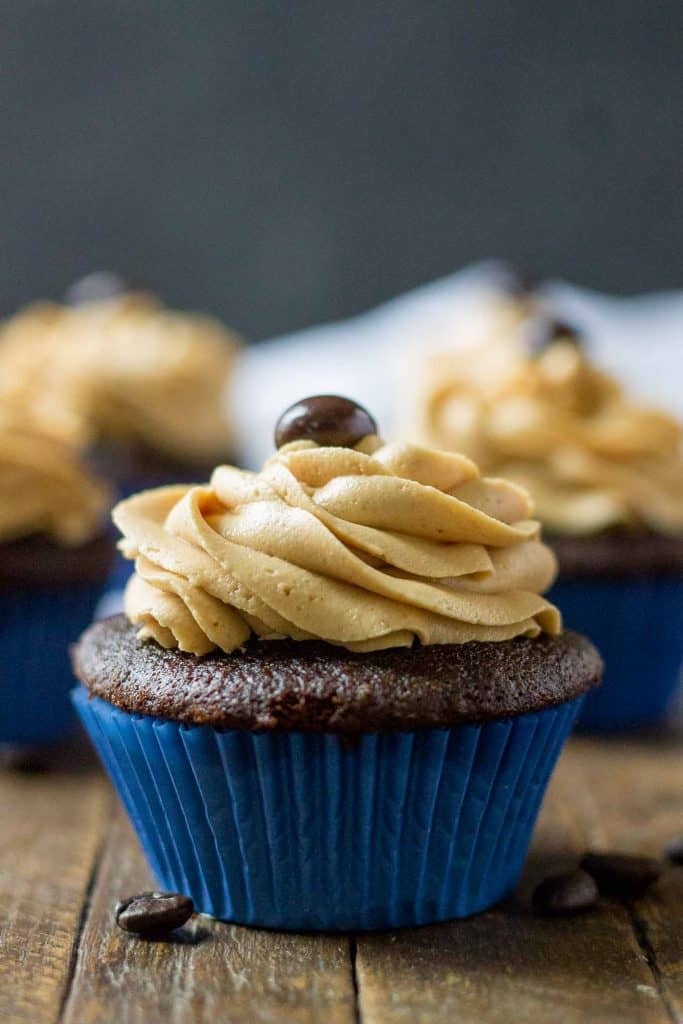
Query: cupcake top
[[123, 367], [339, 538], [44, 491], [592, 457], [315, 687]]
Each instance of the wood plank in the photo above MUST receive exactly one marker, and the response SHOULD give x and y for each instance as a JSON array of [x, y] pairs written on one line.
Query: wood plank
[[659, 922], [51, 831], [508, 965], [630, 790], [624, 963], [633, 800], [217, 972]]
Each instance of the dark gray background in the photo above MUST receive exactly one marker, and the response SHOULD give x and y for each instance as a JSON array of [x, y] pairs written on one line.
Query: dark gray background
[[282, 163]]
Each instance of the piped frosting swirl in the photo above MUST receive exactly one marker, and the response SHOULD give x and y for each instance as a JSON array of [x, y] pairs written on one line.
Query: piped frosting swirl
[[367, 548]]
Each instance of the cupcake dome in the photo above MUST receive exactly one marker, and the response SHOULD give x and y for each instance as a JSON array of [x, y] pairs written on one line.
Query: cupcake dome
[[337, 694]]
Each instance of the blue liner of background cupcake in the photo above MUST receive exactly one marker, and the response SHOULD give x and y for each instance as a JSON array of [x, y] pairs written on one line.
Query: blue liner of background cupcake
[[637, 625], [36, 627], [310, 832]]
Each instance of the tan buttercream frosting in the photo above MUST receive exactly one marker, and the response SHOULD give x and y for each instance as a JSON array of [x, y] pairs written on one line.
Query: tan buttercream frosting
[[366, 548], [34, 384], [592, 457], [44, 489], [125, 368]]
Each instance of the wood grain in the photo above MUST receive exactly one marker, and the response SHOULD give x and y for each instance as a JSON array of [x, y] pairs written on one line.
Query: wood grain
[[52, 826], [508, 965], [639, 807], [65, 859], [216, 972], [659, 924]]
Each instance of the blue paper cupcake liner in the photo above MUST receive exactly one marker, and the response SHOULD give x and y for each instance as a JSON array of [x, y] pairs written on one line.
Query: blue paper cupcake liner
[[310, 832], [36, 627], [637, 625]]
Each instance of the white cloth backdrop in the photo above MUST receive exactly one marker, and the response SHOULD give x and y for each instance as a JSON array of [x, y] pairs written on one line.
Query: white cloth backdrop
[[640, 339]]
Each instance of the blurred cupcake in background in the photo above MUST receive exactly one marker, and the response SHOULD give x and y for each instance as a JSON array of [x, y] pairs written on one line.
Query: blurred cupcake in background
[[606, 475], [153, 383], [337, 694], [55, 554], [141, 387]]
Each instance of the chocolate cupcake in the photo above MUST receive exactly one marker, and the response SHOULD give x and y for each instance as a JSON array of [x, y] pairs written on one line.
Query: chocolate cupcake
[[606, 475], [55, 555], [337, 694]]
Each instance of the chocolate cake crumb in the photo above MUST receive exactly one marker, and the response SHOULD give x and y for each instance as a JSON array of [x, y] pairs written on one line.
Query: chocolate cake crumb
[[315, 687]]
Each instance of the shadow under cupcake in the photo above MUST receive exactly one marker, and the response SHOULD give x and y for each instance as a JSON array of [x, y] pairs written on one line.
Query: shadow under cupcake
[[337, 695]]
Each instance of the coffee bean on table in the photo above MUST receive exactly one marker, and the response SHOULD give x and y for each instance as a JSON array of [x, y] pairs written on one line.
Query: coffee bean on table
[[568, 893], [673, 851], [325, 419], [623, 875], [153, 913]]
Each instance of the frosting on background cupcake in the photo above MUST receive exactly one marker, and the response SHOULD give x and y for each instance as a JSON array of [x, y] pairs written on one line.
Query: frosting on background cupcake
[[125, 368], [34, 382], [591, 457], [43, 488], [369, 547]]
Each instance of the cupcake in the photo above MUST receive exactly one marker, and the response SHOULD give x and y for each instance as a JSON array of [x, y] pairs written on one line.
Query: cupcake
[[142, 386], [606, 475], [55, 554], [336, 695]]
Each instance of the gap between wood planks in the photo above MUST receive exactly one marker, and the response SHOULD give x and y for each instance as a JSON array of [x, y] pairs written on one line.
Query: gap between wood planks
[[642, 937], [85, 910], [638, 921], [605, 838], [353, 952]]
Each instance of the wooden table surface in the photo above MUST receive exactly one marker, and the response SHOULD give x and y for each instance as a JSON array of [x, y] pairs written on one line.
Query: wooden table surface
[[67, 855]]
